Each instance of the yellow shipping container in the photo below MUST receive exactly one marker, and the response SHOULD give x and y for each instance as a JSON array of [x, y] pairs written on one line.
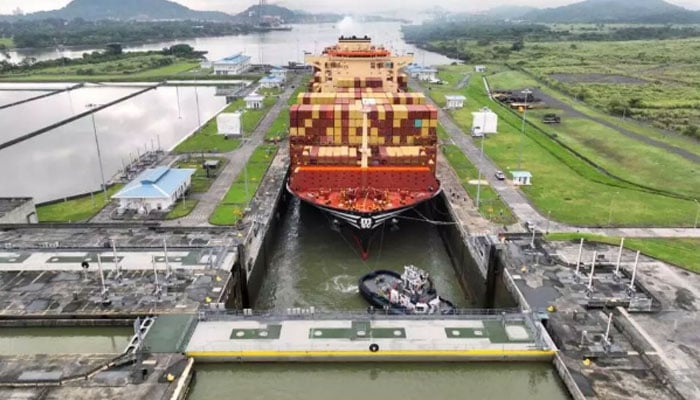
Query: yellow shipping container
[[381, 112], [329, 131], [409, 140], [315, 111], [433, 123], [302, 132], [424, 131], [293, 131], [374, 132], [308, 123], [396, 139], [397, 123]]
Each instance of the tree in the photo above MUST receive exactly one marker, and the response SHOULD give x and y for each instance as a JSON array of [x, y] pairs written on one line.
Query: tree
[[113, 49], [518, 45]]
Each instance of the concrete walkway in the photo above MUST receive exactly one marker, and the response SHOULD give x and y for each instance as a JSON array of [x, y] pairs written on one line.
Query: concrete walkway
[[371, 340], [237, 159], [521, 206]]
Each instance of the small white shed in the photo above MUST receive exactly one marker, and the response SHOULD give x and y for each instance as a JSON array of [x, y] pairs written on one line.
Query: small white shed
[[485, 121], [254, 101], [521, 177], [480, 68], [229, 123], [454, 101]]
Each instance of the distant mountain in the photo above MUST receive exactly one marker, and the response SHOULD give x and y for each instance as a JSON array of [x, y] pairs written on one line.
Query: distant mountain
[[509, 12], [252, 15], [144, 10], [607, 11]]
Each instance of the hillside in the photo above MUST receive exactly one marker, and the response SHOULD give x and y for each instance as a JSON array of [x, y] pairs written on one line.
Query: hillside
[[595, 11], [252, 15], [127, 10]]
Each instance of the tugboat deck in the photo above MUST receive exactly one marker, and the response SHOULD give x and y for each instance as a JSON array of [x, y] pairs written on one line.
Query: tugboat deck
[[488, 339]]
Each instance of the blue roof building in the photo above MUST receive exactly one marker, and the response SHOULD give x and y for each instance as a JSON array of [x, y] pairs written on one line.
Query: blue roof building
[[232, 65], [155, 189]]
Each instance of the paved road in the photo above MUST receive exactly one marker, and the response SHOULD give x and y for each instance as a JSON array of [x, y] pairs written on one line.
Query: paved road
[[237, 159], [520, 205]]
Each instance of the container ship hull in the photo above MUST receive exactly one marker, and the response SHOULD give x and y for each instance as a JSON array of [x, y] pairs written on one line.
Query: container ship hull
[[362, 148]]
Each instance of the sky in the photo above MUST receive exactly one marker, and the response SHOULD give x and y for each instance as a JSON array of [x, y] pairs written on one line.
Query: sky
[[234, 6]]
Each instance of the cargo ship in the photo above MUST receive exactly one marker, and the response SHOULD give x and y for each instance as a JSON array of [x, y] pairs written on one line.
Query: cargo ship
[[362, 147]]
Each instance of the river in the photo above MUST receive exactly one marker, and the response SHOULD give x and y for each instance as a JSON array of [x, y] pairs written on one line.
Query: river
[[277, 47]]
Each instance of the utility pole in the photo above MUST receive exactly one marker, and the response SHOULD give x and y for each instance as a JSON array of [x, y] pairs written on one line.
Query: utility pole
[[99, 153], [527, 93]]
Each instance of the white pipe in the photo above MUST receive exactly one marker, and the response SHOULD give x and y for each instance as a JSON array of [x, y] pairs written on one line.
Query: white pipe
[[102, 276], [590, 276], [634, 271], [619, 256], [607, 331], [580, 251]]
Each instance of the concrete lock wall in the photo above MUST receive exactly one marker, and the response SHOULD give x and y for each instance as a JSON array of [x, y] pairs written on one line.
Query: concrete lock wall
[[24, 213]]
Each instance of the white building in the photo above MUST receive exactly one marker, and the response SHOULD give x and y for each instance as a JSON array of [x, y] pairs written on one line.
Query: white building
[[229, 123], [254, 101], [422, 73], [521, 177], [484, 121], [480, 68], [154, 189], [233, 65], [270, 81], [455, 101]]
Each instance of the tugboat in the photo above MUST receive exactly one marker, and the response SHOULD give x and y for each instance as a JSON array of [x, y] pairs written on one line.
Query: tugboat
[[409, 293]]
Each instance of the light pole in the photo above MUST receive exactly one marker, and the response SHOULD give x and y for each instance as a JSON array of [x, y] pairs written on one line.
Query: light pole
[[97, 145], [478, 182], [527, 93]]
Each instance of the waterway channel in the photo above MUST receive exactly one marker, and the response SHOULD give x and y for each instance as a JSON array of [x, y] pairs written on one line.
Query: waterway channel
[[377, 381], [83, 340], [314, 266]]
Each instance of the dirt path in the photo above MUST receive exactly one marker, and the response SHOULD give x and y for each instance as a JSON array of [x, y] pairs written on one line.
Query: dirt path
[[463, 83]]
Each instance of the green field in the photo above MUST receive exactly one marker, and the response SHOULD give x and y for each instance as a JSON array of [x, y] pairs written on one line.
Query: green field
[[490, 204], [653, 81], [280, 126], [207, 139], [7, 42], [243, 189], [182, 208], [574, 191], [144, 67], [200, 181], [681, 252], [76, 210]]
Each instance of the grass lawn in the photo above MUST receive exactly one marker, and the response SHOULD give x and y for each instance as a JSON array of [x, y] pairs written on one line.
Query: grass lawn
[[181, 209], [76, 210], [207, 139], [625, 157], [8, 42], [574, 191], [242, 190], [442, 134], [200, 181], [491, 206], [72, 74], [682, 252]]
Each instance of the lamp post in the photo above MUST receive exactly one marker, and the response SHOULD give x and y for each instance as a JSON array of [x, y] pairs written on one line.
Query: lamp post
[[97, 145], [527, 93], [478, 182]]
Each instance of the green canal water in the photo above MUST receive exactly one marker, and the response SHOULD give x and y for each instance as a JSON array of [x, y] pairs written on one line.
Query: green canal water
[[313, 265], [19, 341], [377, 381]]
